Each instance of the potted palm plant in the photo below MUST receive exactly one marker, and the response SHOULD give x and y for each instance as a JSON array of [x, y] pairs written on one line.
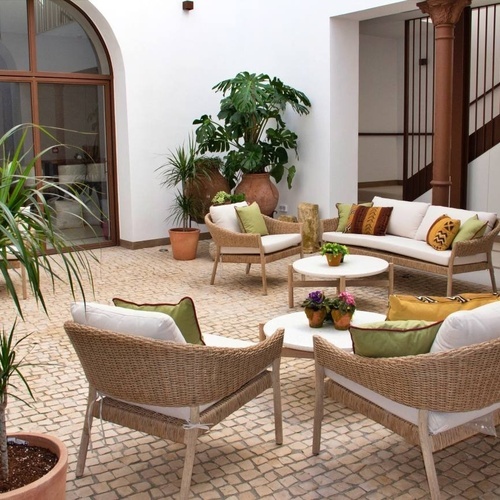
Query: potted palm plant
[[180, 170], [253, 134], [28, 234]]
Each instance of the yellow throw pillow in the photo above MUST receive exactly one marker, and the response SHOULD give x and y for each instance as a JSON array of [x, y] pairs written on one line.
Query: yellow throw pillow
[[251, 220], [442, 232], [434, 308]]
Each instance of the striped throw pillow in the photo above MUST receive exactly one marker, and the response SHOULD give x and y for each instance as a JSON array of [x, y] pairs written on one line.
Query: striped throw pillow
[[369, 220]]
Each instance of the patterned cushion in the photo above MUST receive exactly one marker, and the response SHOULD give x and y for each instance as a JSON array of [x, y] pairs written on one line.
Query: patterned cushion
[[434, 308], [369, 220], [346, 211], [442, 233]]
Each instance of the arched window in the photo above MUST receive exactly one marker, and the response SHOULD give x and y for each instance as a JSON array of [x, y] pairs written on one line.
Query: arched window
[[55, 72]]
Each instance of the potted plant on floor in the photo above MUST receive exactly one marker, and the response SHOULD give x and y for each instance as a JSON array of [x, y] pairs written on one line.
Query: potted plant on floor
[[180, 169], [334, 252], [27, 232], [253, 133]]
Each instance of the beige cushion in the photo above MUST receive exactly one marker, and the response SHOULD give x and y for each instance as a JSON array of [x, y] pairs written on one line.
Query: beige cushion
[[68, 214], [406, 216], [271, 243], [70, 174], [225, 216]]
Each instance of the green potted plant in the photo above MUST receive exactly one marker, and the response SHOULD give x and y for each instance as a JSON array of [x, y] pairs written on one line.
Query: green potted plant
[[334, 252], [28, 233], [253, 133], [223, 197]]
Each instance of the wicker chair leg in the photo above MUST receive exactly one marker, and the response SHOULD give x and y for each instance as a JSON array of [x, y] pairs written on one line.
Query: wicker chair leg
[[278, 416], [318, 407], [264, 277], [216, 263], [87, 427], [190, 439], [426, 445], [492, 277], [23, 282], [449, 283], [247, 268]]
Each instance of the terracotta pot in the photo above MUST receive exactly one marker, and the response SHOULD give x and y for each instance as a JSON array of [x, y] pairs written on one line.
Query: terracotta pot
[[341, 320], [259, 188], [52, 486], [333, 260], [203, 189], [316, 317], [184, 242]]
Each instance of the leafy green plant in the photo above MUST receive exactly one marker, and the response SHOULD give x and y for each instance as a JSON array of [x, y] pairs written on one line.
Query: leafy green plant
[[223, 197], [252, 130], [334, 249], [29, 234]]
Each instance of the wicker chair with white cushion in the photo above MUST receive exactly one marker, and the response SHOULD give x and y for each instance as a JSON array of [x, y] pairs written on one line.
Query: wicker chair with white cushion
[[144, 376], [428, 399], [284, 239]]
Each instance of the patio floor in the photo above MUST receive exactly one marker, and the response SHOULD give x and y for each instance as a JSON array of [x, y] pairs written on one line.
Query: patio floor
[[238, 459]]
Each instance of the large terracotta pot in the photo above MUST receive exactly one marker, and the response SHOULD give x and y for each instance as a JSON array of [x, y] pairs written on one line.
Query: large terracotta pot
[[52, 486], [203, 189], [259, 188], [184, 242]]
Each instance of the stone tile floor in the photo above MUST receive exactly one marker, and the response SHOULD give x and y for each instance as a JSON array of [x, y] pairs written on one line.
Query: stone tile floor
[[237, 459]]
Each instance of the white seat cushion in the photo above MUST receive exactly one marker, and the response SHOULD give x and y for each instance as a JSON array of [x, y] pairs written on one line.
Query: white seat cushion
[[463, 328], [150, 324], [438, 421], [406, 216], [402, 246], [271, 243], [225, 216], [435, 211]]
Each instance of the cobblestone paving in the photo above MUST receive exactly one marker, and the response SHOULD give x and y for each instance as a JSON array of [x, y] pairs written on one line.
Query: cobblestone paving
[[238, 459]]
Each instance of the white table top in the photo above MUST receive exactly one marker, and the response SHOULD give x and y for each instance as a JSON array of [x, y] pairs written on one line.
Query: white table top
[[299, 335], [354, 266]]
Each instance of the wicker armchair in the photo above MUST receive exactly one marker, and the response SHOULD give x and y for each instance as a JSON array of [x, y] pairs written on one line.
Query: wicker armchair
[[246, 248], [144, 371], [459, 380]]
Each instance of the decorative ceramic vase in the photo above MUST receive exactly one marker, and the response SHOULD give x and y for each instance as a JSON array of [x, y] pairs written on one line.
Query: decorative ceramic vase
[[316, 317], [333, 260], [341, 320], [259, 188]]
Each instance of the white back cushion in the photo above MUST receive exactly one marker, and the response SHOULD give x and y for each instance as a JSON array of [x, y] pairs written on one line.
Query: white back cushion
[[406, 216], [150, 324], [463, 328], [436, 211], [225, 216]]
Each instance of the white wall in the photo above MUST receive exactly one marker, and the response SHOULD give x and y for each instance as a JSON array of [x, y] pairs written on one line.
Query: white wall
[[166, 60]]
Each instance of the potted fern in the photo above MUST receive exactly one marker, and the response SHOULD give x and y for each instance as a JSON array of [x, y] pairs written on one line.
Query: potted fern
[[27, 232]]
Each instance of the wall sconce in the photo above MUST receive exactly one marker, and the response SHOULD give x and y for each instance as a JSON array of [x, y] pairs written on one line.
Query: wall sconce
[[187, 5]]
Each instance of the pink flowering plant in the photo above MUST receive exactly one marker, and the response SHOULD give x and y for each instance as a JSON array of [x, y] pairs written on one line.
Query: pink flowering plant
[[316, 300], [344, 302]]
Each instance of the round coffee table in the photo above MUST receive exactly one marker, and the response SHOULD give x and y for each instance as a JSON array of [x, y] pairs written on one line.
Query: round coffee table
[[298, 341], [353, 268]]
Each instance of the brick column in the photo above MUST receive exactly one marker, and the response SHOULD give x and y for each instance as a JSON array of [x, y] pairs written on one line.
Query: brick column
[[444, 14]]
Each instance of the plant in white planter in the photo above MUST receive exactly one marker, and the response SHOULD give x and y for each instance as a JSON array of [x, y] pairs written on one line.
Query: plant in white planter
[[28, 233]]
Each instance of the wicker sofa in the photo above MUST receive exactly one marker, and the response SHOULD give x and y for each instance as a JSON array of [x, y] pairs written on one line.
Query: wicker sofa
[[433, 400], [404, 244]]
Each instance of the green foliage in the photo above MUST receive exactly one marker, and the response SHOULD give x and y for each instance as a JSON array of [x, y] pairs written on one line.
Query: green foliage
[[223, 197], [334, 248], [251, 130]]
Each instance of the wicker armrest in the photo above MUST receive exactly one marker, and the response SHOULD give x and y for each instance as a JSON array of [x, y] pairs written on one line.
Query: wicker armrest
[[477, 245], [225, 238], [459, 380], [275, 226], [328, 225]]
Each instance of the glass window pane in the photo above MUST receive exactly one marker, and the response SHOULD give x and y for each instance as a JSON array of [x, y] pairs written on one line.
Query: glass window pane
[[14, 54], [15, 108], [65, 41]]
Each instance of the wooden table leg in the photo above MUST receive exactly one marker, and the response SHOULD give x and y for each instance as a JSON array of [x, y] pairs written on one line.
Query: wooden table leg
[[290, 285], [391, 278]]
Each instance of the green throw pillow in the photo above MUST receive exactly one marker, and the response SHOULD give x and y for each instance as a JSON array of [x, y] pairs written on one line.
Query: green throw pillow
[[387, 339], [344, 210], [183, 313], [470, 229], [251, 220]]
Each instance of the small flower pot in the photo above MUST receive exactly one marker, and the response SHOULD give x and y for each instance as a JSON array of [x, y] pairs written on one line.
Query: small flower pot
[[341, 320], [316, 317], [333, 260]]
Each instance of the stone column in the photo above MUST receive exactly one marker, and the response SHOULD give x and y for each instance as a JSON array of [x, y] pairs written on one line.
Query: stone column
[[444, 14], [308, 214]]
